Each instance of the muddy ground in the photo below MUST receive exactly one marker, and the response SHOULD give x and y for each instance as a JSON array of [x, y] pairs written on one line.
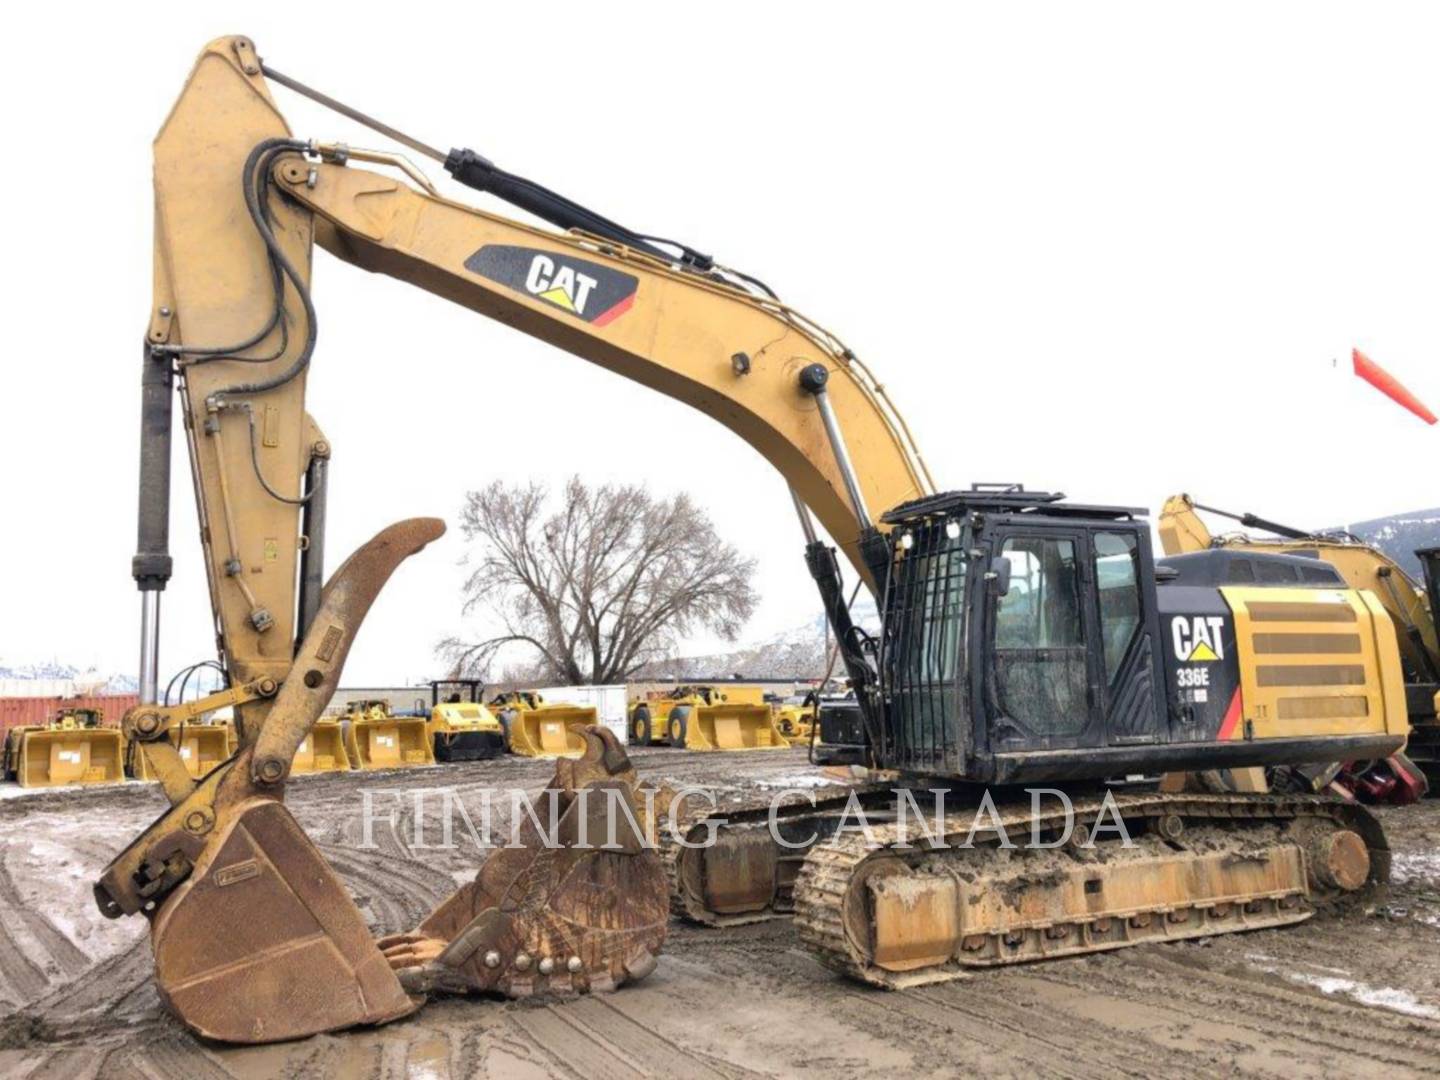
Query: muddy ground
[[1358, 996]]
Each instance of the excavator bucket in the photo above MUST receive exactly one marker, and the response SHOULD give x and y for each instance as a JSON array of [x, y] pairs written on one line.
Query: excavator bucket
[[51, 756], [579, 905], [549, 731], [725, 726], [323, 750], [296, 957], [378, 740], [201, 748]]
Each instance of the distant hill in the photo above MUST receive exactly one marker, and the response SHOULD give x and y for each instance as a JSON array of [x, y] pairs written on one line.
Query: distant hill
[[1399, 535], [798, 653], [50, 677]]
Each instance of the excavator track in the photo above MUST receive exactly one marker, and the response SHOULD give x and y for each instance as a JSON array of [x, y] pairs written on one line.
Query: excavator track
[[897, 915], [745, 877]]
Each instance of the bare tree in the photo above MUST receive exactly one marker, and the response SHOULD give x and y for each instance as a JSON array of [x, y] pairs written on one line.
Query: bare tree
[[612, 578]]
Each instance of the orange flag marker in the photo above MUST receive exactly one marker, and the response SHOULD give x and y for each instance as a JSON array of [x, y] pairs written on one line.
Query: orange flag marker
[[1388, 385]]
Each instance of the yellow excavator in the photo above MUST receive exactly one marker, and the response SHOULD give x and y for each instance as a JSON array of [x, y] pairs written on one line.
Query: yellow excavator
[[1413, 606], [1024, 639]]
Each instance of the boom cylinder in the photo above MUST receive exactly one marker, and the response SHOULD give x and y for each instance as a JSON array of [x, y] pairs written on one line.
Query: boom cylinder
[[152, 564], [813, 379]]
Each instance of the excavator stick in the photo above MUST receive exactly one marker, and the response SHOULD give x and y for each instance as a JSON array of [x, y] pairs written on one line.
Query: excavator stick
[[296, 957]]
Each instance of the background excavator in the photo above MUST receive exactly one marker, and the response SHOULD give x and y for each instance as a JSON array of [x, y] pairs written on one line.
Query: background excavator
[[1413, 606], [1024, 638]]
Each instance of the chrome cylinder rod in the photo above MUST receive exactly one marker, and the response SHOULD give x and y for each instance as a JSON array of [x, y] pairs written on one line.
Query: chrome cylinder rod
[[813, 379], [806, 522], [149, 646]]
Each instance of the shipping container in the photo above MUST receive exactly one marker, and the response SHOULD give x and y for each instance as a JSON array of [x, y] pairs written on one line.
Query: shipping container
[[18, 711]]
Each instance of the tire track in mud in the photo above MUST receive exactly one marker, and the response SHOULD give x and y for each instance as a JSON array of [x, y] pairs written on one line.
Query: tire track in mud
[[603, 1018], [395, 897], [593, 1038], [116, 993], [1278, 1018], [982, 1000], [66, 955], [164, 1055], [24, 977], [940, 1032]]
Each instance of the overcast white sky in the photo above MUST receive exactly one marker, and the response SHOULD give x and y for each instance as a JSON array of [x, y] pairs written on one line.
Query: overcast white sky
[[1112, 249]]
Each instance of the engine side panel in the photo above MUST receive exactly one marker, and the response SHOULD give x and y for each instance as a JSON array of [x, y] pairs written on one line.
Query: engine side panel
[[1201, 662]]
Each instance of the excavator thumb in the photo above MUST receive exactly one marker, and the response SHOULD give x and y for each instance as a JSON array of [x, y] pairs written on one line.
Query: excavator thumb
[[577, 901], [255, 939]]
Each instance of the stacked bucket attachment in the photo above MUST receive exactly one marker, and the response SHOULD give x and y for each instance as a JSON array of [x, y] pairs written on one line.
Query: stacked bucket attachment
[[202, 746], [375, 738], [724, 725], [322, 750], [578, 906], [536, 728], [75, 749], [256, 940], [708, 718]]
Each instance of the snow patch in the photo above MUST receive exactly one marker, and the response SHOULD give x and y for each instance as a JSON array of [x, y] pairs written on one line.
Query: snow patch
[[15, 791], [1332, 981], [1415, 866], [807, 780]]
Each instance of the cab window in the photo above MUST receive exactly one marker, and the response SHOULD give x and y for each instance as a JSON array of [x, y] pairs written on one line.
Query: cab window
[[1117, 576], [1040, 656]]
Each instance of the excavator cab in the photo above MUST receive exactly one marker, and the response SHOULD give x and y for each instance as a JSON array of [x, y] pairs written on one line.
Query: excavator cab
[[1028, 639]]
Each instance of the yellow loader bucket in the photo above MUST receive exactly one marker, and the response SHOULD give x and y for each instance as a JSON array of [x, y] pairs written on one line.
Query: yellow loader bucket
[[391, 742], [201, 746], [549, 731], [323, 750], [725, 726], [47, 757]]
